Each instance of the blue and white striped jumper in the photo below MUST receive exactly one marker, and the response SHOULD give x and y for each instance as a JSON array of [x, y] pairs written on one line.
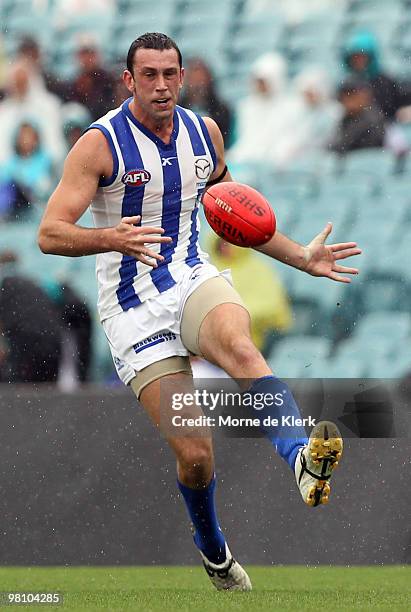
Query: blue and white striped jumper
[[162, 183]]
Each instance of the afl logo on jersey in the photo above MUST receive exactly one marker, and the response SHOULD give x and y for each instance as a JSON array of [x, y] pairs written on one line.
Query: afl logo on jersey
[[202, 167], [136, 178]]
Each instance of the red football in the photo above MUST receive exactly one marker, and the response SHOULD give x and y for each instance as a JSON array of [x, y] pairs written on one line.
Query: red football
[[239, 214]]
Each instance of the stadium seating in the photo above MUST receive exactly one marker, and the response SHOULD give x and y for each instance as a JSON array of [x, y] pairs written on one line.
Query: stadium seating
[[395, 260], [375, 162], [134, 19], [340, 367], [394, 327], [210, 36], [356, 193], [253, 37], [293, 357], [394, 366], [367, 351], [337, 328], [309, 318], [195, 12], [385, 292], [304, 39], [320, 213]]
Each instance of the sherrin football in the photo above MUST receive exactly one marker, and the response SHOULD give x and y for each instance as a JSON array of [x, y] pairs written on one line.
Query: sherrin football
[[239, 214]]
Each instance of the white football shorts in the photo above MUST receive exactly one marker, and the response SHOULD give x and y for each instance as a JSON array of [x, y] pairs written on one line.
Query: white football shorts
[[150, 332]]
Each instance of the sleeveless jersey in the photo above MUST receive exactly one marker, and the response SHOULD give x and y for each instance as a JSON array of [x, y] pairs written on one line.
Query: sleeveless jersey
[[163, 184]]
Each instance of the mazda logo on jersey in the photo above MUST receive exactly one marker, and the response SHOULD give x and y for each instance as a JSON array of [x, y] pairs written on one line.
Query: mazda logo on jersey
[[136, 178], [202, 167]]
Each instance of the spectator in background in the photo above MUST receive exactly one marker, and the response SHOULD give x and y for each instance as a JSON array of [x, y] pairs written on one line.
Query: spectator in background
[[30, 166], [29, 52], [363, 123], [121, 92], [3, 67], [200, 95], [93, 86], [76, 319], [76, 333], [25, 104], [294, 11], [258, 285], [362, 60], [76, 119], [65, 10], [313, 112], [42, 330], [319, 108], [14, 203], [265, 118], [29, 325]]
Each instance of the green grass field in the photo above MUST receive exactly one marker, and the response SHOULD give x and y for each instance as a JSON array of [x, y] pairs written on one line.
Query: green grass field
[[188, 588]]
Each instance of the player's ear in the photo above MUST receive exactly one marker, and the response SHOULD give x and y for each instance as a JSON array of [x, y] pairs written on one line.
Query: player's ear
[[181, 77], [128, 80]]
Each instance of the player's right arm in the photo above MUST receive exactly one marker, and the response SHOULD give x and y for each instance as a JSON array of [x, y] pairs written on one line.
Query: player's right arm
[[58, 234]]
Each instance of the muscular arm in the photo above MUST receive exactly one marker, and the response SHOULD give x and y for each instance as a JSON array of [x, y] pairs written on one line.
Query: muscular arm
[[317, 258], [58, 234], [285, 250]]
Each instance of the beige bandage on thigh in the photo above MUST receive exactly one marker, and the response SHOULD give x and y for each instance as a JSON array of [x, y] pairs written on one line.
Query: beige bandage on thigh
[[169, 365], [211, 293]]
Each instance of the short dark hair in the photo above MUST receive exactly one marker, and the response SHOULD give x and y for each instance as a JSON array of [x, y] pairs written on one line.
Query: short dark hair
[[152, 40]]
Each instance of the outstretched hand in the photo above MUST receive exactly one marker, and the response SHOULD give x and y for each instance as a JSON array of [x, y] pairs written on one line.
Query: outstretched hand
[[322, 258], [132, 239]]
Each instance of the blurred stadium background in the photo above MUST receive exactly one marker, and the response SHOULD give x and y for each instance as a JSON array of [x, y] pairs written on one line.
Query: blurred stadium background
[[90, 489], [366, 193]]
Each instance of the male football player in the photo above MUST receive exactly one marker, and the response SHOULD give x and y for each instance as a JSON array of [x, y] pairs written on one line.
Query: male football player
[[143, 168]]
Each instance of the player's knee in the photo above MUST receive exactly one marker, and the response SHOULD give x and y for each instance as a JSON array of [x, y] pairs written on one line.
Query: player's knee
[[243, 351], [196, 457]]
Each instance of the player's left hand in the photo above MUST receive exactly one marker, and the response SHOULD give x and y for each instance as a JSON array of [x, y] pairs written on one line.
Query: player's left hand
[[322, 258]]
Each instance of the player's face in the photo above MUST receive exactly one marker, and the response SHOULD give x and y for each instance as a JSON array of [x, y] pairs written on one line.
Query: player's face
[[156, 82]]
